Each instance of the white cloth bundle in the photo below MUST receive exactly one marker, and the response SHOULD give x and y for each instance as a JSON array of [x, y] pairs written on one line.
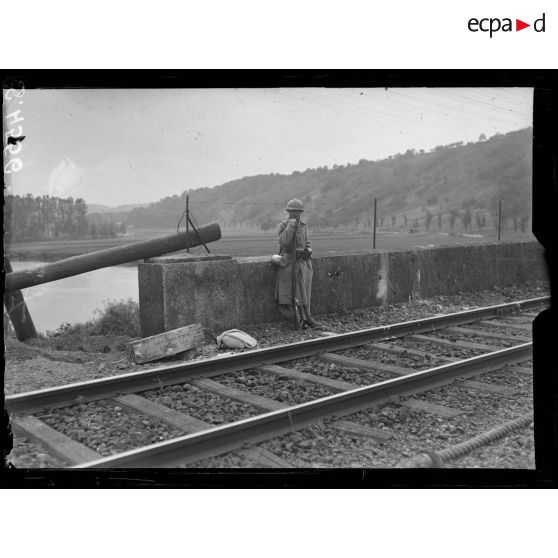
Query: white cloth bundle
[[236, 339]]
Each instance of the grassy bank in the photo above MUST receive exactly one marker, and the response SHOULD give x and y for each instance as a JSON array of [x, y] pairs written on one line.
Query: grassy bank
[[116, 318]]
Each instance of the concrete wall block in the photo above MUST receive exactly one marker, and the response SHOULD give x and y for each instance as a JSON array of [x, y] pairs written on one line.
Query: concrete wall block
[[256, 291], [364, 274], [343, 282], [426, 279], [534, 261], [329, 286], [151, 301], [402, 280], [201, 292]]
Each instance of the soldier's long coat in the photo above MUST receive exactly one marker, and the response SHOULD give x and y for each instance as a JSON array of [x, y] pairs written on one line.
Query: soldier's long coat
[[304, 270]]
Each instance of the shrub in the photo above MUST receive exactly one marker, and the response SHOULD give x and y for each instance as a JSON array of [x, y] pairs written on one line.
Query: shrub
[[116, 318]]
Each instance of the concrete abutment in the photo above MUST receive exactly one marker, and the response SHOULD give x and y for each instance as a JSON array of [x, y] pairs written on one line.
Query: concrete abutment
[[222, 292]]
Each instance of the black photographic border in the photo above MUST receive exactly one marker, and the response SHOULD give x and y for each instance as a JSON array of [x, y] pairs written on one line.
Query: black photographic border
[[545, 382]]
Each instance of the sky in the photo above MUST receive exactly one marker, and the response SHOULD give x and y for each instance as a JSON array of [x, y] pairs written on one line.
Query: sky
[[132, 146]]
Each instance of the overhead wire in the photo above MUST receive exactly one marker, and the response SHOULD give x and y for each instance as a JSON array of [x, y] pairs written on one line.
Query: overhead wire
[[470, 116], [473, 116], [491, 105], [377, 114], [493, 93], [361, 111]]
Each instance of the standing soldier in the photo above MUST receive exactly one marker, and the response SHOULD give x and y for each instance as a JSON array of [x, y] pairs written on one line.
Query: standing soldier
[[295, 250]]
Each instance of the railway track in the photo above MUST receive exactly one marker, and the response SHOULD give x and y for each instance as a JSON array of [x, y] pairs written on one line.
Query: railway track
[[394, 363]]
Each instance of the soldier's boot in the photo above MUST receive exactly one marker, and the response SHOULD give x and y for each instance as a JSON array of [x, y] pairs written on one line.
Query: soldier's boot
[[286, 312], [310, 320], [302, 317]]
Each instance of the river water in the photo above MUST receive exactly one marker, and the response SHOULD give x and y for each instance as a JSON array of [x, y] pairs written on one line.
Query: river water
[[75, 299]]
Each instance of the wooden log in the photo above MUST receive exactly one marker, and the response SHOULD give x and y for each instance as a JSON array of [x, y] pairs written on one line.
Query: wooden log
[[111, 256], [498, 324], [488, 334], [458, 344], [189, 424], [521, 370], [369, 365], [167, 344], [333, 385], [261, 403], [263, 458], [17, 310], [432, 408], [355, 429], [176, 419], [57, 444], [402, 351], [488, 388]]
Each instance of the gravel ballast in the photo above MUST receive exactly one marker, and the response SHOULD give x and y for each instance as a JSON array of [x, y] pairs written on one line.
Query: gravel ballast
[[45, 364]]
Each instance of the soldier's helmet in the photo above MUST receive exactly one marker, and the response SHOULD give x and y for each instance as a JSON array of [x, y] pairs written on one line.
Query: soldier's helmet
[[294, 205]]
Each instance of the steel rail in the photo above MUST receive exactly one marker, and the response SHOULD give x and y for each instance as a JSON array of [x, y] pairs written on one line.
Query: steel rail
[[134, 382], [222, 439]]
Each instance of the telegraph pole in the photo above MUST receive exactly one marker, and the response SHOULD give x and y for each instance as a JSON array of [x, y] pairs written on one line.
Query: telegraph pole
[[17, 310], [187, 216], [499, 219], [374, 234]]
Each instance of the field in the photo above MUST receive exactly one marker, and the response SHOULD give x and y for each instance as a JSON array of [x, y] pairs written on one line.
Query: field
[[260, 244]]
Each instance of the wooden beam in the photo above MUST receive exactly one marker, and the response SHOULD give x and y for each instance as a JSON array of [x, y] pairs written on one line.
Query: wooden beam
[[265, 404], [17, 310], [522, 370], [181, 421], [57, 444], [263, 458], [334, 386], [355, 429], [261, 403], [498, 324], [402, 351], [111, 256], [530, 315], [524, 320], [431, 408], [189, 424], [489, 388], [456, 344], [468, 331], [167, 344], [368, 365]]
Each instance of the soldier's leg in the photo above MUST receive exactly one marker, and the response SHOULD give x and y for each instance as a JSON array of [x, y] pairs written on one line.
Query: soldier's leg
[[307, 296]]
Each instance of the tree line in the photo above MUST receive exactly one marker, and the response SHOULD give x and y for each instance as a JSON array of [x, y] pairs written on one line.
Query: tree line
[[33, 218]]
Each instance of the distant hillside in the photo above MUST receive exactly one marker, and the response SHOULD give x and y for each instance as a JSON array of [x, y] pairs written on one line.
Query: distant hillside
[[100, 208], [412, 189]]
